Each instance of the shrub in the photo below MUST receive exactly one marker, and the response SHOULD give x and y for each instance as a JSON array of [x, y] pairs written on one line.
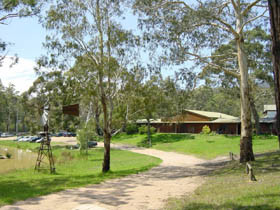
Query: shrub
[[131, 128], [65, 157], [206, 129], [143, 129], [8, 155], [85, 135]]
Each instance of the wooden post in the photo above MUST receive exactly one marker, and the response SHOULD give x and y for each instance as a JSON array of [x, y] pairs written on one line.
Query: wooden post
[[231, 156], [249, 170]]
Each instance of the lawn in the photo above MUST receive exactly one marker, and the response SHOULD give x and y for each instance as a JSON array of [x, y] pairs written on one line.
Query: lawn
[[72, 170], [230, 188], [203, 146]]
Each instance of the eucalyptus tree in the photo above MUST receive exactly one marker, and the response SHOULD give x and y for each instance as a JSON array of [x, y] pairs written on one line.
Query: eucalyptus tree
[[257, 46], [187, 31], [90, 29], [274, 11], [149, 100]]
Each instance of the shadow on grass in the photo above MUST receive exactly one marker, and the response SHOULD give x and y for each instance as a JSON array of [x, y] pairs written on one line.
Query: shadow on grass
[[268, 162], [204, 206], [13, 190]]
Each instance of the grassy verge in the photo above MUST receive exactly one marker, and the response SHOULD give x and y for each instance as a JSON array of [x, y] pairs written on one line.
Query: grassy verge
[[230, 188], [204, 146], [72, 170]]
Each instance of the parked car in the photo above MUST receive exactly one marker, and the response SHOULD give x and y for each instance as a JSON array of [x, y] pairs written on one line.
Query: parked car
[[69, 134], [34, 138], [24, 138], [3, 135], [18, 138], [40, 140], [91, 144]]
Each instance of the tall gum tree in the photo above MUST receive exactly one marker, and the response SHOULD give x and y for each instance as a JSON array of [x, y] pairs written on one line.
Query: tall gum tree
[[90, 29], [190, 30], [274, 11]]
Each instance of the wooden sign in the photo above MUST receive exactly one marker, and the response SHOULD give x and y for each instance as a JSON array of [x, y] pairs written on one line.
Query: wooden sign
[[71, 110]]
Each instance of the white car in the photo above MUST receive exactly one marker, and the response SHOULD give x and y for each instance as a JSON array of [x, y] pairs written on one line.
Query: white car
[[25, 138], [6, 135]]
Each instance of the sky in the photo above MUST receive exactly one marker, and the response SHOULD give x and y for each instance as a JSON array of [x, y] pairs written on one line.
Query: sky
[[26, 36]]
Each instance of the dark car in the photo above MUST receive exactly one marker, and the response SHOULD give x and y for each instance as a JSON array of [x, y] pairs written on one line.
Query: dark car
[[91, 144], [69, 134]]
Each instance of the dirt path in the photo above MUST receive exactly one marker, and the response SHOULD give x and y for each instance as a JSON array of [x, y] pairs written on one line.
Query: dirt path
[[177, 175]]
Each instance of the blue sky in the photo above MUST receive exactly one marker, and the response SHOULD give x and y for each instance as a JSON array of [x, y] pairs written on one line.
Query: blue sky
[[26, 37]]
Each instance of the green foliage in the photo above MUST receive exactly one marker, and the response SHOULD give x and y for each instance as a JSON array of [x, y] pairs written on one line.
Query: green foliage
[[143, 129], [206, 130], [131, 128], [85, 135]]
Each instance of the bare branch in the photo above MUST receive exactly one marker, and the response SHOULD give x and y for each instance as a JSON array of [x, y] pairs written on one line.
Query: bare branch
[[226, 71], [84, 46], [12, 15], [234, 5], [228, 26], [221, 8], [252, 19], [245, 11]]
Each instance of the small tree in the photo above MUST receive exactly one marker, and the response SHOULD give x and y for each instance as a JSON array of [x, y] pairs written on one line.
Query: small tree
[[206, 129]]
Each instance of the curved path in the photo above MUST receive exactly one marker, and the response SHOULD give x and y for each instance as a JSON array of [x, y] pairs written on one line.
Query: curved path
[[177, 175]]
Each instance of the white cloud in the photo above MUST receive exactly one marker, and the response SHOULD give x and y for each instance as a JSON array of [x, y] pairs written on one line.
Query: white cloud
[[21, 74]]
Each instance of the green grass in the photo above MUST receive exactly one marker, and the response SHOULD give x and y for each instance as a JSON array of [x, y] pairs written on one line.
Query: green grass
[[72, 170], [204, 146], [230, 188]]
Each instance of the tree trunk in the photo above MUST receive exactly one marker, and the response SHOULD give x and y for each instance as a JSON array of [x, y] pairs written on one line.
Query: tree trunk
[[274, 11], [97, 120], [107, 148], [246, 149], [149, 132], [255, 115], [106, 135]]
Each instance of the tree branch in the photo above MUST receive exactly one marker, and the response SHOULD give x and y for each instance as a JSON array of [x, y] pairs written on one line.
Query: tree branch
[[247, 9], [234, 5], [252, 19], [228, 26], [12, 15]]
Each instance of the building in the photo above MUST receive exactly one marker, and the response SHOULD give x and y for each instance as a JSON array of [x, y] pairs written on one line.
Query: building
[[192, 121], [268, 122]]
